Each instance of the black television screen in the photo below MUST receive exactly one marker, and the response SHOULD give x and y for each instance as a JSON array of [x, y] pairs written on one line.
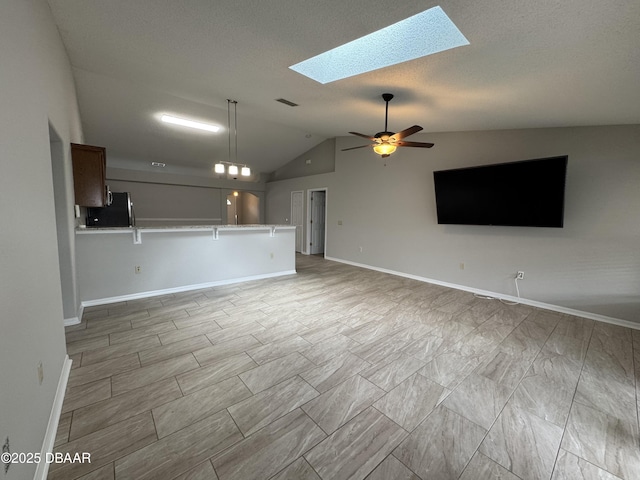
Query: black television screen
[[529, 193]]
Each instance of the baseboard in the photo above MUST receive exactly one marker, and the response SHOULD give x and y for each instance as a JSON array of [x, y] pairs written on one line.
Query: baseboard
[[186, 288], [532, 303], [52, 427], [71, 321], [74, 320]]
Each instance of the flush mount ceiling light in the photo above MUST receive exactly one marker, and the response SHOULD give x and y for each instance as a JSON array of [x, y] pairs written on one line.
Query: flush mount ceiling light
[[423, 34], [233, 167], [189, 123]]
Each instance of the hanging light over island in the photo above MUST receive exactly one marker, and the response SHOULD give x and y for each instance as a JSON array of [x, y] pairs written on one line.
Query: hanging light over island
[[232, 166]]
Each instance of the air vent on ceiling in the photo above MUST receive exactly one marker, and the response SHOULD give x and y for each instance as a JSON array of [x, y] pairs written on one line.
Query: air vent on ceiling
[[286, 102], [158, 164]]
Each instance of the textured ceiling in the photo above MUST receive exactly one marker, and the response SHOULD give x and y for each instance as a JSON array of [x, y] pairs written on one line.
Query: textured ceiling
[[529, 64]]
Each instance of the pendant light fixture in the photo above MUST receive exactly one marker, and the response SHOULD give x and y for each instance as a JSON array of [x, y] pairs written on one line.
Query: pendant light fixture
[[232, 160]]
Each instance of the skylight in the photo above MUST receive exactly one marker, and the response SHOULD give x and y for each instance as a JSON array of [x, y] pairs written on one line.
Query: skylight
[[422, 34]]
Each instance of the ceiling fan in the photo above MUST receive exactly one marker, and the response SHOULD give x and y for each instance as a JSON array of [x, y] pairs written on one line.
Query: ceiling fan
[[386, 142]]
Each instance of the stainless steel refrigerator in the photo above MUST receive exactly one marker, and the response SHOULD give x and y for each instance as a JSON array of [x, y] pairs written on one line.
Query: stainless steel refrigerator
[[118, 214]]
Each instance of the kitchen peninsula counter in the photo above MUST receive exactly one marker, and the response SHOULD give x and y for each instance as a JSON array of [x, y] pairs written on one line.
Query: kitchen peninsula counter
[[215, 229], [125, 263]]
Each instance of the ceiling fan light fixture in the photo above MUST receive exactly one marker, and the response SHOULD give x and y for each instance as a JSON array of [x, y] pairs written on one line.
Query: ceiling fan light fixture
[[386, 142], [384, 149]]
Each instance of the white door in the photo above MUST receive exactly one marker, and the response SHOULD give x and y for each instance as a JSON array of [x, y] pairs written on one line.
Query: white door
[[297, 206], [318, 200]]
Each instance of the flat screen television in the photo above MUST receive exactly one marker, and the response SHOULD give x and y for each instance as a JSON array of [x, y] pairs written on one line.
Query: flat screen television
[[528, 193]]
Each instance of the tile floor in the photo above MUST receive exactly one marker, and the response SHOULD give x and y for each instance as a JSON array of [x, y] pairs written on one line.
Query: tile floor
[[343, 373]]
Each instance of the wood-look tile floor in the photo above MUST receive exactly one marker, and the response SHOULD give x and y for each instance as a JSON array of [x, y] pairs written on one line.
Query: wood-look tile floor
[[344, 373]]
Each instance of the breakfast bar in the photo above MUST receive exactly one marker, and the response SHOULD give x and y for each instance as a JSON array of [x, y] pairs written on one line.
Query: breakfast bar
[[119, 264]]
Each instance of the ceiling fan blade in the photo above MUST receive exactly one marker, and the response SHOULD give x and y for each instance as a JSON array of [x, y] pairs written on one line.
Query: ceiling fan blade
[[405, 133], [353, 148], [414, 144], [363, 136]]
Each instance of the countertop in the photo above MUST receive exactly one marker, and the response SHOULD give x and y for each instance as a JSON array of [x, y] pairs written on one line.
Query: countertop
[[184, 227], [214, 229]]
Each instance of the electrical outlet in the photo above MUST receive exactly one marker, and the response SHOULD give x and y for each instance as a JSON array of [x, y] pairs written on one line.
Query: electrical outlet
[[361, 249], [138, 269], [461, 265], [520, 275], [40, 373]]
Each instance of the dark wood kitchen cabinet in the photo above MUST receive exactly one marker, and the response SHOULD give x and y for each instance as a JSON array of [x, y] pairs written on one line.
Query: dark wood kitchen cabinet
[[89, 175]]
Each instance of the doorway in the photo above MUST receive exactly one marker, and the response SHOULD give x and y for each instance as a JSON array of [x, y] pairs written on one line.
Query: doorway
[[65, 223], [243, 208], [317, 215]]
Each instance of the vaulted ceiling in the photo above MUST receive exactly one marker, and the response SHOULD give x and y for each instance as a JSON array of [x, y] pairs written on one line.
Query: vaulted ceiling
[[529, 64]]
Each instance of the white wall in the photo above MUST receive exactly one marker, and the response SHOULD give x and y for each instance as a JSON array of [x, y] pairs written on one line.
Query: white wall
[[36, 90], [320, 159], [162, 204], [591, 265], [162, 199], [250, 208]]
